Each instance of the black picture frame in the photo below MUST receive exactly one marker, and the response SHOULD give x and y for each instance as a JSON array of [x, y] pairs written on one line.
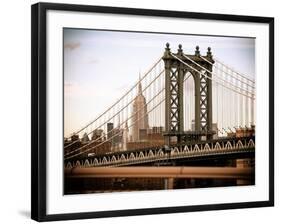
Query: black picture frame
[[39, 107]]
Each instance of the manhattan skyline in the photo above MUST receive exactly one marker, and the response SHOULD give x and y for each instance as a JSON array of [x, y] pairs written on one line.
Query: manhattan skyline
[[100, 66]]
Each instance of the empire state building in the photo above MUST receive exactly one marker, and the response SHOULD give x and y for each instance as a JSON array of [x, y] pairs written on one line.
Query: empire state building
[[139, 115]]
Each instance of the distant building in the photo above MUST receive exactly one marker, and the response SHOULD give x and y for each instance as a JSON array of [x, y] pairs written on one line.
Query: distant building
[[125, 136], [97, 147], [109, 130], [155, 129], [142, 134], [85, 138], [192, 125], [115, 136], [74, 138], [139, 116], [97, 134], [215, 128], [152, 137], [155, 133], [116, 139], [72, 143]]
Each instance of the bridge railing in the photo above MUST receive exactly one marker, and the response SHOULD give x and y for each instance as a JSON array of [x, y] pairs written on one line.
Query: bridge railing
[[224, 146]]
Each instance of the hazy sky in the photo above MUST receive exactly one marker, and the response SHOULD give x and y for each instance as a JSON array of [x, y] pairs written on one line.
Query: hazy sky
[[99, 66]]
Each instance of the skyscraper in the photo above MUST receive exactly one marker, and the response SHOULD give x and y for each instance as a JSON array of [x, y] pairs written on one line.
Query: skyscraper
[[139, 114]]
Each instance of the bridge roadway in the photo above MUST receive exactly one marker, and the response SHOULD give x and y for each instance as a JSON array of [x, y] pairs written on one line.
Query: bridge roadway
[[160, 172], [227, 147]]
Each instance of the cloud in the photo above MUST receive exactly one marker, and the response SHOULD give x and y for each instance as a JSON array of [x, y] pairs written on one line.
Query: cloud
[[72, 46]]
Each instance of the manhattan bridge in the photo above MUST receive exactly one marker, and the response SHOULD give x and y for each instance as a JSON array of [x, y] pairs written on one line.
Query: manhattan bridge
[[185, 108]]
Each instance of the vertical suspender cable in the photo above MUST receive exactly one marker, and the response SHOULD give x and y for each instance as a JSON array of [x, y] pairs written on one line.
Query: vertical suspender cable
[[222, 111], [241, 110], [246, 110]]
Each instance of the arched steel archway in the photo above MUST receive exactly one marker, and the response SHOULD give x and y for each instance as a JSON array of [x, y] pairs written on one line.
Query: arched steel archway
[[175, 72]]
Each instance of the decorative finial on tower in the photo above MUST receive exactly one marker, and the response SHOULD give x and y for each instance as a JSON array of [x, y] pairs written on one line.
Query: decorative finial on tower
[[209, 53], [180, 49], [167, 50], [197, 52], [167, 46]]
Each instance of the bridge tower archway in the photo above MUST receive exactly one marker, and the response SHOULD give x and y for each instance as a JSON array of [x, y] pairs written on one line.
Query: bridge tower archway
[[177, 66], [188, 102]]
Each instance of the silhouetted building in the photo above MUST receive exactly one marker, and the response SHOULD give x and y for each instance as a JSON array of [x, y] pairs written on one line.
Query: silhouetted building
[[109, 130], [142, 134], [215, 129], [97, 147], [192, 125], [139, 115], [125, 136], [98, 135], [155, 129], [74, 138], [85, 138], [116, 139]]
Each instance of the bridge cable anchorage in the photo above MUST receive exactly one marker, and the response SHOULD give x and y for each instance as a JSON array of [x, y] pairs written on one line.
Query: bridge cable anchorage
[[118, 112], [87, 150], [245, 90], [194, 69], [221, 69], [124, 95]]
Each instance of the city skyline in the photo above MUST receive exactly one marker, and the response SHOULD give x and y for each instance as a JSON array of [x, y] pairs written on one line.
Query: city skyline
[[86, 53], [187, 108]]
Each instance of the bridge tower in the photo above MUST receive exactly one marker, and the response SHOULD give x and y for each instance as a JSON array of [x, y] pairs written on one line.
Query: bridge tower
[[176, 67]]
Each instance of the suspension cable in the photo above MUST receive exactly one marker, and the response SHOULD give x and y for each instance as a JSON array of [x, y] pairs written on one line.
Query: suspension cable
[[215, 65], [89, 149], [95, 140], [209, 77], [238, 73], [119, 111], [124, 95], [216, 75]]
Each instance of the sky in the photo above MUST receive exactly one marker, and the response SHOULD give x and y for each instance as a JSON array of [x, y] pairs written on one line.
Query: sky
[[100, 66]]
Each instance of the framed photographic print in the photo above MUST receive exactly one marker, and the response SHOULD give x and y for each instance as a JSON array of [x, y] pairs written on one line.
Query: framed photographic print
[[139, 111]]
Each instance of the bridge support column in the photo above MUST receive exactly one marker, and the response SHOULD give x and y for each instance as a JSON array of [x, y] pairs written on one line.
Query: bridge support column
[[167, 93], [243, 163], [210, 97], [168, 183], [180, 102], [197, 102], [176, 66]]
